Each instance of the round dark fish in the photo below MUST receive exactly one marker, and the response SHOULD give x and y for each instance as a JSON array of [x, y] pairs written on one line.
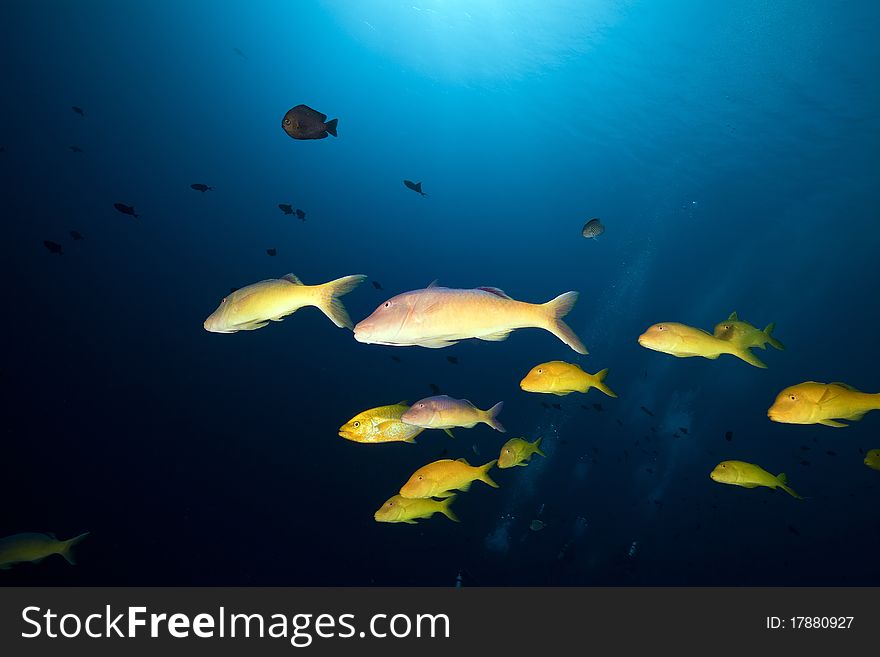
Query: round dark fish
[[54, 247], [286, 208], [201, 187], [126, 209], [592, 229], [302, 122]]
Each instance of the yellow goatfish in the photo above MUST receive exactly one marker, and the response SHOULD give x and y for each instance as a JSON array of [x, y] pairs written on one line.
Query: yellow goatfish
[[822, 403], [746, 335], [437, 479], [440, 316], [254, 306], [560, 378], [444, 412], [872, 459], [748, 475], [684, 341], [34, 548], [382, 425], [402, 509], [517, 451]]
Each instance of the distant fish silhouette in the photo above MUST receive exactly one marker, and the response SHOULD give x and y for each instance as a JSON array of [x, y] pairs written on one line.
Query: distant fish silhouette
[[271, 252], [598, 407], [78, 110], [557, 407], [452, 359], [2, 149], [54, 247], [396, 359], [76, 235], [415, 186], [684, 430], [830, 453], [585, 407], [286, 208], [434, 388], [804, 462], [238, 52], [300, 214], [199, 187], [126, 209], [650, 470], [646, 411], [804, 448], [619, 422], [793, 530], [676, 435], [302, 122], [377, 285], [592, 229], [545, 404], [76, 149], [728, 436]]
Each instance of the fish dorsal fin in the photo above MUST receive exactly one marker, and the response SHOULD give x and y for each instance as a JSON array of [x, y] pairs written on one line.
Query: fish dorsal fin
[[495, 291], [844, 385], [433, 284], [462, 460], [292, 278], [733, 317], [402, 403]]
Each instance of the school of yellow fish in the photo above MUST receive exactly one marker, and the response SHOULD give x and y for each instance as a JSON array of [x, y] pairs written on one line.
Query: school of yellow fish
[[437, 317]]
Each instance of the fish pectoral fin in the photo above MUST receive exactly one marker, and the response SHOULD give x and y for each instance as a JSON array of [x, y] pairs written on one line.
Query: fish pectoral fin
[[522, 465], [713, 356], [832, 423], [410, 522], [855, 417], [448, 432], [749, 485], [465, 487], [498, 336], [436, 344], [444, 495], [253, 326]]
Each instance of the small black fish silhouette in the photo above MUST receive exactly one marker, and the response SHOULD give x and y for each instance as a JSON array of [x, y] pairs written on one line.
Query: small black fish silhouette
[[76, 149], [126, 209], [647, 411], [78, 110], [793, 530], [804, 448], [377, 285], [54, 247], [804, 462], [619, 422], [557, 407], [728, 436], [415, 186], [684, 430], [598, 407], [650, 470], [300, 214], [302, 122], [675, 435], [545, 404], [200, 187], [434, 388], [585, 407], [286, 208], [239, 53], [76, 235], [452, 359], [271, 252], [396, 359], [830, 453], [2, 149]]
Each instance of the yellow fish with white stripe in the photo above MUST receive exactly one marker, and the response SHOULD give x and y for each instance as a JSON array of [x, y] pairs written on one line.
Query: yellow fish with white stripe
[[255, 305], [683, 341], [402, 509], [438, 317], [822, 403]]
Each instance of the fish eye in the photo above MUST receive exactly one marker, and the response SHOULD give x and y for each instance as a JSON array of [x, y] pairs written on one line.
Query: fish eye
[[421, 406], [540, 371], [286, 121], [357, 424], [224, 300], [420, 477], [723, 465], [507, 451], [391, 504], [660, 327], [387, 304], [793, 397]]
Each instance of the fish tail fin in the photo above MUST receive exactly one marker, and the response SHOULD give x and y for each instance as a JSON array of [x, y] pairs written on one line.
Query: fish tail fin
[[491, 417], [449, 433], [484, 473], [783, 481], [446, 511], [776, 344], [66, 548], [536, 448], [330, 303], [330, 127], [749, 357], [600, 385], [557, 309]]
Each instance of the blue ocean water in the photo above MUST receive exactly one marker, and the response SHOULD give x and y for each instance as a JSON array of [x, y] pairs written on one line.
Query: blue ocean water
[[732, 151]]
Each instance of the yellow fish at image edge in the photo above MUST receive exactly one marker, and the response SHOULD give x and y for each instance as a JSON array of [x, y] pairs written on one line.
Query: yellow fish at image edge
[[684, 341], [254, 306], [437, 479], [382, 425], [822, 403], [748, 475], [517, 451], [746, 335], [34, 548], [560, 378], [872, 459], [402, 509]]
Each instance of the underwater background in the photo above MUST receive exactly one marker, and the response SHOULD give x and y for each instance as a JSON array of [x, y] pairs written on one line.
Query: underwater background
[[732, 151]]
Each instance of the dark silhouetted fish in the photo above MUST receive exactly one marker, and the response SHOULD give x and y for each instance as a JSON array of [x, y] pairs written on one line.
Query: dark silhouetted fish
[[728, 436], [286, 208], [803, 462], [793, 530], [626, 454], [238, 52], [54, 247], [557, 407], [415, 186], [675, 435], [76, 235], [199, 187], [452, 359], [619, 422], [830, 453], [592, 229], [76, 149], [271, 252], [545, 404], [646, 411], [300, 214], [377, 285], [2, 149], [434, 388], [126, 209], [684, 430], [650, 470], [804, 448], [302, 122], [597, 407], [396, 359], [78, 110]]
